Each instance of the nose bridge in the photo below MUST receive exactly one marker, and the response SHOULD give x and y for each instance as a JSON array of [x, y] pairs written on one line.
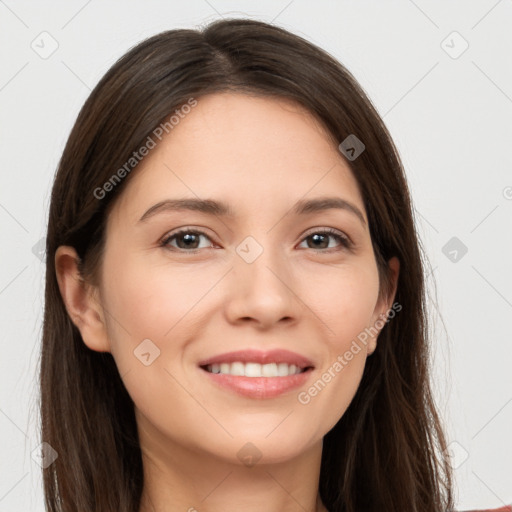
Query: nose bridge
[[261, 265], [261, 287]]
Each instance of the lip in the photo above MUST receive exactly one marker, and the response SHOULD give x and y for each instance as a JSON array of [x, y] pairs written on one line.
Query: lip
[[259, 387], [261, 357]]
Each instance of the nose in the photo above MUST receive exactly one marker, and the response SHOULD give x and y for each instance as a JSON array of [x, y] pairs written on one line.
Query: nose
[[262, 292]]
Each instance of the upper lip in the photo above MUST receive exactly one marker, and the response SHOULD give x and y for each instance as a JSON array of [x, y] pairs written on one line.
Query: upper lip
[[261, 357]]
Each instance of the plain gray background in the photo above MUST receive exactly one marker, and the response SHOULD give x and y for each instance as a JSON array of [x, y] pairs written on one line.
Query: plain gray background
[[449, 110]]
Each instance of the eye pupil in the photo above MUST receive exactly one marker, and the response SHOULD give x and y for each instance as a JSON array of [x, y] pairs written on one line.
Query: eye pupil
[[188, 238], [318, 237]]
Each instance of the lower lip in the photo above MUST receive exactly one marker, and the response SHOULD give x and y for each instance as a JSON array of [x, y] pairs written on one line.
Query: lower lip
[[259, 387]]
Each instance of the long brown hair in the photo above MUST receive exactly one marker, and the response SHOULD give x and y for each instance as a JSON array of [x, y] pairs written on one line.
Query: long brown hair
[[388, 451]]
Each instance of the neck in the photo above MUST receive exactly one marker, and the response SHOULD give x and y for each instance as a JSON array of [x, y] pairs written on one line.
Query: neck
[[182, 479]]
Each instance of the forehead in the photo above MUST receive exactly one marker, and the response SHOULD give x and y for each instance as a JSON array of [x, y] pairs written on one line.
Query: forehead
[[248, 150], [250, 121]]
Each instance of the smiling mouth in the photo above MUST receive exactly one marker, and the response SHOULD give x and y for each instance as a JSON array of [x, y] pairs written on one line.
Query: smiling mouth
[[241, 369]]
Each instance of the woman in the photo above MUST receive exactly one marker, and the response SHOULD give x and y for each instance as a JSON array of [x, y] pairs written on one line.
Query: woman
[[235, 311]]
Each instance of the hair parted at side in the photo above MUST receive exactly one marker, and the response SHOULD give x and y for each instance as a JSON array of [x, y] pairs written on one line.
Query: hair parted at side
[[387, 452]]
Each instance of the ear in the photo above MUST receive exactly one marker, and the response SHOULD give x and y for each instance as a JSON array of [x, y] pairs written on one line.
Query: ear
[[384, 304], [81, 300]]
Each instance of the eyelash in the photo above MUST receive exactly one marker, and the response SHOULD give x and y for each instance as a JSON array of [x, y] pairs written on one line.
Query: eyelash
[[345, 242]]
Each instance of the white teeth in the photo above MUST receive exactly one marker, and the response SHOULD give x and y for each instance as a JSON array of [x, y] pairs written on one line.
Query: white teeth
[[270, 370], [254, 369], [282, 369], [237, 369]]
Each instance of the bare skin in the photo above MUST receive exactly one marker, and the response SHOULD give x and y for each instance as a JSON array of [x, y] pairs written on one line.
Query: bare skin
[[260, 156]]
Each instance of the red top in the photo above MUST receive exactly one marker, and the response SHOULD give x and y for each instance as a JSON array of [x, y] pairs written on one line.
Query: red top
[[506, 508]]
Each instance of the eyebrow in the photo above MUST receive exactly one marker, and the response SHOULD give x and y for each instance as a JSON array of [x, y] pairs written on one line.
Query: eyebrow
[[218, 208]]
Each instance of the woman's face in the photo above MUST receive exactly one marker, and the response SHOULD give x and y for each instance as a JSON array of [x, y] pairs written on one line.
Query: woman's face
[[262, 278]]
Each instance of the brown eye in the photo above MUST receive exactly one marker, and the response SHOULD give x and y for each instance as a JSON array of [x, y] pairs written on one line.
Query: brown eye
[[320, 239], [186, 240]]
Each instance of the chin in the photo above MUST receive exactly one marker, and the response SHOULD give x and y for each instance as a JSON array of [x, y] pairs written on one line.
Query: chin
[[264, 446]]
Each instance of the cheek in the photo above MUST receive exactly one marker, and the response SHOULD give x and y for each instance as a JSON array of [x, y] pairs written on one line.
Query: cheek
[[345, 303], [330, 394], [152, 302], [344, 300], [157, 304]]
